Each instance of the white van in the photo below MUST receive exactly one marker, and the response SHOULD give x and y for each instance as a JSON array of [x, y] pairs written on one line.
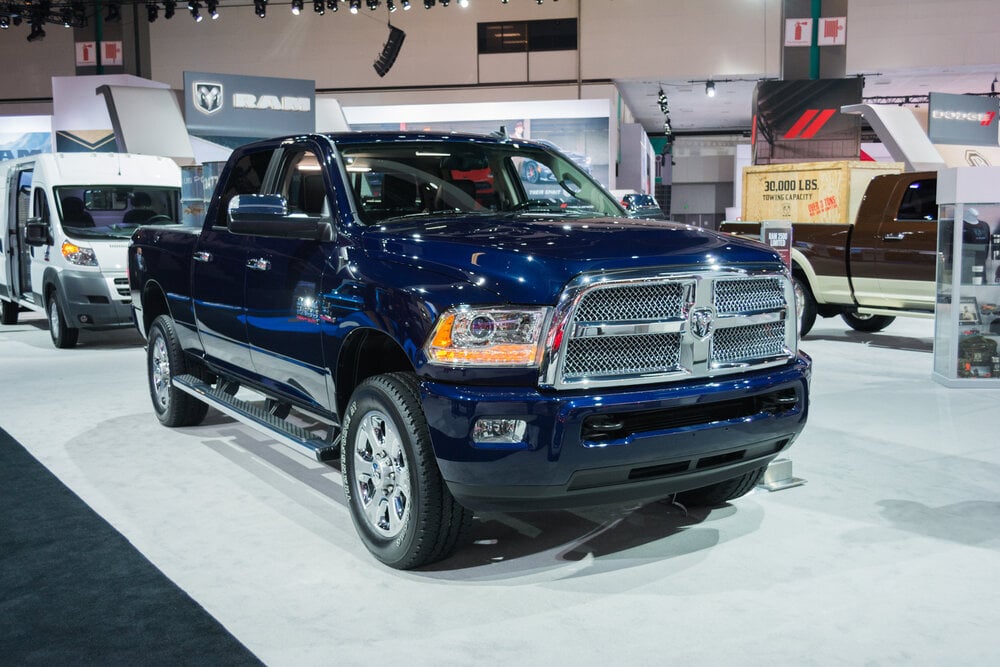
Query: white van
[[66, 223]]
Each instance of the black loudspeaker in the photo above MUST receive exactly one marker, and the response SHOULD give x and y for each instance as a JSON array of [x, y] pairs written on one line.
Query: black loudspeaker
[[389, 52]]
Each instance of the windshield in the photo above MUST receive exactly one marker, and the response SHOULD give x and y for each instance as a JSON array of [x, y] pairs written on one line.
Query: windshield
[[114, 211], [394, 180]]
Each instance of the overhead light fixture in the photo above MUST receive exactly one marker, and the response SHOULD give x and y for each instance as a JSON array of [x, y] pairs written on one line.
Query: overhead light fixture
[[168, 9], [213, 8], [355, 6], [195, 8], [463, 3], [4, 23], [152, 11], [372, 4], [260, 8], [319, 7], [67, 17], [389, 52], [428, 4], [406, 5], [391, 5], [710, 88], [332, 5], [296, 7], [113, 16]]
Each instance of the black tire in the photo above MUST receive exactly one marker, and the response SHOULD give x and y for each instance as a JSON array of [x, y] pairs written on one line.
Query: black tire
[[805, 304], [721, 493], [164, 360], [63, 335], [867, 323], [399, 503], [10, 312]]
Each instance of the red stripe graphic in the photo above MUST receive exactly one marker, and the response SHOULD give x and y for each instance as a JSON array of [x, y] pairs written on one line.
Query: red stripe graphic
[[800, 124], [815, 126], [809, 124]]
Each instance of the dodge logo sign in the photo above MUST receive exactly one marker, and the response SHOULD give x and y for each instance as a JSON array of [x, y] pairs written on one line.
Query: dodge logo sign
[[700, 322], [207, 97]]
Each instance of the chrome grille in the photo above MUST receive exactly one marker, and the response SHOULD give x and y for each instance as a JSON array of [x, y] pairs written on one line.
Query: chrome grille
[[633, 302], [746, 344], [614, 355], [745, 296], [634, 330]]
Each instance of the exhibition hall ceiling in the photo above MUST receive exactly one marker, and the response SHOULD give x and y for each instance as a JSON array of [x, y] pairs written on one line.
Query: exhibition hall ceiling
[[691, 111]]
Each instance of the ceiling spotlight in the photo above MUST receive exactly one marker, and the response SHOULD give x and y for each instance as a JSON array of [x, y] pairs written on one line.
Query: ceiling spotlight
[[355, 6], [66, 17], [710, 88], [428, 4], [296, 7], [445, 3], [4, 23], [195, 8], [213, 8], [504, 2], [168, 9], [152, 11], [463, 3], [260, 8], [113, 16], [332, 5], [319, 7], [406, 5], [391, 4]]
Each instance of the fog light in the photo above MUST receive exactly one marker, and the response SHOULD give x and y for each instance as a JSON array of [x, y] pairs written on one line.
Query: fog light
[[498, 431], [85, 319]]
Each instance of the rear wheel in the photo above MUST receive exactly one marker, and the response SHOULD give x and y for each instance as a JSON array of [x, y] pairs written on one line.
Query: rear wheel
[[400, 505], [164, 360], [867, 323], [63, 335], [723, 492], [10, 311]]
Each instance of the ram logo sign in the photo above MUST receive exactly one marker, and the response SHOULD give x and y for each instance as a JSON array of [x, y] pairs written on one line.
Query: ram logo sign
[[207, 97]]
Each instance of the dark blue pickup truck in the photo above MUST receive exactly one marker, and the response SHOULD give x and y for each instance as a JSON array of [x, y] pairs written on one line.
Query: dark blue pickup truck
[[468, 339]]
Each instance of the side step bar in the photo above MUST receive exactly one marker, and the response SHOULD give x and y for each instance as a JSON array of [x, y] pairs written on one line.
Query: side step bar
[[288, 434]]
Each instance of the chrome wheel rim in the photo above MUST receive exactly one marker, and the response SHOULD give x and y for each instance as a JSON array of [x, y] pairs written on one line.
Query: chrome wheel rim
[[159, 368], [381, 475], [800, 297], [53, 318]]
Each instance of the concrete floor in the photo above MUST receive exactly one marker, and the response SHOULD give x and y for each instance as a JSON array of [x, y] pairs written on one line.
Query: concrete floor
[[889, 554]]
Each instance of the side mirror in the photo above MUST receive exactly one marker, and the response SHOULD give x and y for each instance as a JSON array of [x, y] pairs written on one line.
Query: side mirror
[[37, 233], [267, 215]]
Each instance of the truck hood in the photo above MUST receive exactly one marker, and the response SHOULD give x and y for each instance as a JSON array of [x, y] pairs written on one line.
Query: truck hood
[[530, 259]]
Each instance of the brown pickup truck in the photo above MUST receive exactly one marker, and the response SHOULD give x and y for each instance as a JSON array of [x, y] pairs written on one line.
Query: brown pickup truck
[[868, 272]]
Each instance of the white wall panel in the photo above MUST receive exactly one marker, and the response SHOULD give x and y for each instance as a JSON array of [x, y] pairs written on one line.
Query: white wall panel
[[503, 67]]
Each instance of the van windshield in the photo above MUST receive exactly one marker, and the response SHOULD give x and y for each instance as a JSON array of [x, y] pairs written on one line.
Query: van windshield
[[115, 211]]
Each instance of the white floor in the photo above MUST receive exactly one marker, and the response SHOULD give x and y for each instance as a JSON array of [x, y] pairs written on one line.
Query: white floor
[[889, 554]]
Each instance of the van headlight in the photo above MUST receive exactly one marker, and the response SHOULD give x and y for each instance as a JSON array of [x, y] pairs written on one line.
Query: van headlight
[[79, 255], [467, 336]]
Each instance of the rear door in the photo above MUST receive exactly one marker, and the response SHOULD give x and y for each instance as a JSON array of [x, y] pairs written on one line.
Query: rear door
[[218, 270], [283, 282]]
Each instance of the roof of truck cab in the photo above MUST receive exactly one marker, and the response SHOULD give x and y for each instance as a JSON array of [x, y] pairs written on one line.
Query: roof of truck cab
[[447, 137]]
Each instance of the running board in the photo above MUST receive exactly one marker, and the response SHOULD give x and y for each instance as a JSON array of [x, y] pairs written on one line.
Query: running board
[[288, 434]]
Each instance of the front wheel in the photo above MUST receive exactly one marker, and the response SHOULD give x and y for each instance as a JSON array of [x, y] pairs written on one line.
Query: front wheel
[[867, 323], [63, 335], [717, 494], [399, 503], [805, 305], [164, 360]]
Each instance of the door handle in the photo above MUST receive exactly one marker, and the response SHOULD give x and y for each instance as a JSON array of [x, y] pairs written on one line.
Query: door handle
[[202, 256], [259, 264], [900, 236]]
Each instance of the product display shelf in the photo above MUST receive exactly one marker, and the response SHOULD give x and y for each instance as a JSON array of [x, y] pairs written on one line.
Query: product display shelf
[[967, 321]]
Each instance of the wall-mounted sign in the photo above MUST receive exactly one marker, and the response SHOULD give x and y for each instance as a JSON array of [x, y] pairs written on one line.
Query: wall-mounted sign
[[230, 105], [111, 54], [832, 31], [798, 32], [970, 120]]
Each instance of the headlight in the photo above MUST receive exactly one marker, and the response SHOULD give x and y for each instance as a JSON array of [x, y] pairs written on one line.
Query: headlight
[[487, 337], [78, 254]]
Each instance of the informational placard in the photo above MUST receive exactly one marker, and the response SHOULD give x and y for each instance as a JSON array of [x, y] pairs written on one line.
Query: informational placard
[[777, 235]]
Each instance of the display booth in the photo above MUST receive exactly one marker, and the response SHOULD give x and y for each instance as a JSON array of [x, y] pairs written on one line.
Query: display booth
[[967, 325]]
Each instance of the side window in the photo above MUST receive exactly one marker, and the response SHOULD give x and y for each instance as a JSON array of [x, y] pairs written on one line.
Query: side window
[[919, 202], [23, 196], [245, 178], [41, 208], [301, 183]]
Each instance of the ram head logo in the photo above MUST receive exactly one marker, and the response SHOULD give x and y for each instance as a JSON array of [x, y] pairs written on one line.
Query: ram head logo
[[207, 97], [701, 322]]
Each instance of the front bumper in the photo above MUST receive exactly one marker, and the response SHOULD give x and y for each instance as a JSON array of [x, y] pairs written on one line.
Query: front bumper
[[672, 438], [95, 301]]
